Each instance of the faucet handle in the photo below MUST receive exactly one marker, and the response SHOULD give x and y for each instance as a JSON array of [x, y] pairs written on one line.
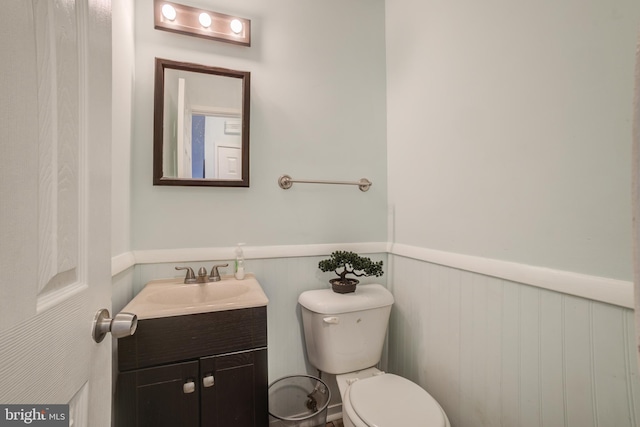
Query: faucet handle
[[190, 277], [215, 276]]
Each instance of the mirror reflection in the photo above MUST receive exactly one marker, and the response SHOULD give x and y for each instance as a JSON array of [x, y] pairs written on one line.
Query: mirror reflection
[[202, 131]]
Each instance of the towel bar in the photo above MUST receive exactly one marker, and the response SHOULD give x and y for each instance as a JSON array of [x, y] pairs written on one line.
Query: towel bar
[[285, 182]]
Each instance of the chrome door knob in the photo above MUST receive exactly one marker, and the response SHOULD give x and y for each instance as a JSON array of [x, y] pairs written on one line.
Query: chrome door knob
[[122, 325]]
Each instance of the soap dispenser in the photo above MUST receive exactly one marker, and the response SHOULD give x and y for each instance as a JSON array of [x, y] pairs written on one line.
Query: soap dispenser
[[239, 262]]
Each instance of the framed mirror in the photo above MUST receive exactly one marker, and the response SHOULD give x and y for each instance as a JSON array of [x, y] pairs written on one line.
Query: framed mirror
[[201, 125]]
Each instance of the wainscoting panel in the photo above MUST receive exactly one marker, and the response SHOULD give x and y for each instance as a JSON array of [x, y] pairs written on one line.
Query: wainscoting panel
[[498, 353]]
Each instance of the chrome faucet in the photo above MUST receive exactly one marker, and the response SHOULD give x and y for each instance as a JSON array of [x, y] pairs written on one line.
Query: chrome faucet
[[202, 275], [215, 276], [190, 277]]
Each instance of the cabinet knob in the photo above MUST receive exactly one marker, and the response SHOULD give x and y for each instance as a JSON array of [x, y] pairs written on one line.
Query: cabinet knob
[[208, 381], [189, 387]]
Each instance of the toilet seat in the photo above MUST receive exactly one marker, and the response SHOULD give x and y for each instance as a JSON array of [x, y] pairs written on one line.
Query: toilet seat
[[389, 400]]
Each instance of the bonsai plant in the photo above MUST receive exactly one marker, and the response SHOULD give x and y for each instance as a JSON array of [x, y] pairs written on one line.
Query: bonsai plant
[[343, 263]]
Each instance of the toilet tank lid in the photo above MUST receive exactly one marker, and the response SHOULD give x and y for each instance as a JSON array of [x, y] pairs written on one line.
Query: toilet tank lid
[[366, 297]]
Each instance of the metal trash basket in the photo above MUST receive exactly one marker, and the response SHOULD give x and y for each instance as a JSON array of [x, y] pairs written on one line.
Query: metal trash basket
[[300, 401]]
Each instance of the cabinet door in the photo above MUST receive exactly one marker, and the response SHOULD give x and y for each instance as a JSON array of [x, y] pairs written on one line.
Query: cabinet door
[[234, 389], [164, 396]]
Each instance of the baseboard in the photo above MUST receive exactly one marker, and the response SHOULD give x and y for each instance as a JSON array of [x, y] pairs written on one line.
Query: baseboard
[[334, 412]]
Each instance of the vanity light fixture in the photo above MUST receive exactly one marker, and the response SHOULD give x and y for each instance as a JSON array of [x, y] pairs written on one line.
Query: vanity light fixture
[[236, 26], [178, 18], [205, 20], [169, 12]]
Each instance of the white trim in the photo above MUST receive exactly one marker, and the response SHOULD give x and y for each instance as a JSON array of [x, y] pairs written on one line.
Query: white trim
[[126, 260], [612, 291], [334, 412], [253, 252], [122, 262]]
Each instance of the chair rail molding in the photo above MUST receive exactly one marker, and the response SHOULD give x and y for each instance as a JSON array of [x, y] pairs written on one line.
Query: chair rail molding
[[603, 289], [611, 291]]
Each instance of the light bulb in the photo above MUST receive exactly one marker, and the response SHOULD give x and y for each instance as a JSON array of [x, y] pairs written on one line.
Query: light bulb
[[205, 20], [169, 12], [236, 26]]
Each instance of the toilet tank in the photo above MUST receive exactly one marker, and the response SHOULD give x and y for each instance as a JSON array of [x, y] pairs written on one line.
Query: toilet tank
[[345, 332]]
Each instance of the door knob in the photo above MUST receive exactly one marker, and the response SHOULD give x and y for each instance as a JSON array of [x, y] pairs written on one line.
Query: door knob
[[122, 325]]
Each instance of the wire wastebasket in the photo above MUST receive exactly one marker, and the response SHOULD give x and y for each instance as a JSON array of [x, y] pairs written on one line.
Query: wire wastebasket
[[299, 401]]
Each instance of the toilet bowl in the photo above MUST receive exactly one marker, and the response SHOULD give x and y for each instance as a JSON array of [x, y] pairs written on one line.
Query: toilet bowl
[[344, 335], [374, 398]]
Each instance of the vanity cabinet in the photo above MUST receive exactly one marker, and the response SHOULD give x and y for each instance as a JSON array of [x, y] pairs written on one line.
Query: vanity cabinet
[[207, 369], [156, 396]]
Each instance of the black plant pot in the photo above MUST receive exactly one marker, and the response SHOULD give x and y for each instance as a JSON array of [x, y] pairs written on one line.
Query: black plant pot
[[344, 286]]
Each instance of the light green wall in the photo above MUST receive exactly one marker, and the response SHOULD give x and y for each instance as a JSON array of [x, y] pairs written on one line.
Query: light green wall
[[509, 129], [509, 138], [317, 112]]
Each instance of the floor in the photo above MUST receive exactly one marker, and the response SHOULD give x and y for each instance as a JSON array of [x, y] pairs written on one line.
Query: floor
[[336, 423]]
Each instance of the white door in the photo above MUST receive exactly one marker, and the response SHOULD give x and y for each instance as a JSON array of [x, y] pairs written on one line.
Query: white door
[[229, 163], [184, 131], [55, 148]]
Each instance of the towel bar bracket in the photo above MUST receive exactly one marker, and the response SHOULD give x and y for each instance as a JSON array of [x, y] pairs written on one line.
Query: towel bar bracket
[[285, 182]]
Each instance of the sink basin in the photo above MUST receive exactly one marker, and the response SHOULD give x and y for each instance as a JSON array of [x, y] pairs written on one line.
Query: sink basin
[[196, 294], [171, 297]]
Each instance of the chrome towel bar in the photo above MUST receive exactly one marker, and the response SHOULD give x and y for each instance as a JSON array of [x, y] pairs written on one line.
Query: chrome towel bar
[[285, 182]]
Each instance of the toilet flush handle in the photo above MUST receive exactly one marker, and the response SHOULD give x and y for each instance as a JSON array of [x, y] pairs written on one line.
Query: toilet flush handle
[[332, 320]]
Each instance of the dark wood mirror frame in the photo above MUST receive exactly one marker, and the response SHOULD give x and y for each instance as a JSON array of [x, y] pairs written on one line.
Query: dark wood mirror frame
[[158, 116]]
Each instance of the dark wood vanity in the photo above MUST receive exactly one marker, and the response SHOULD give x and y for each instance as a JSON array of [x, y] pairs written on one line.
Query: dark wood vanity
[[206, 369]]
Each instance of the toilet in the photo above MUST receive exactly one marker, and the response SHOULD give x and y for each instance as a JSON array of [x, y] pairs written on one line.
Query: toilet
[[344, 335]]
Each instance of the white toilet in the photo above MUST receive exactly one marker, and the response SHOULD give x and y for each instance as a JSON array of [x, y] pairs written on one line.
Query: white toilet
[[345, 334]]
